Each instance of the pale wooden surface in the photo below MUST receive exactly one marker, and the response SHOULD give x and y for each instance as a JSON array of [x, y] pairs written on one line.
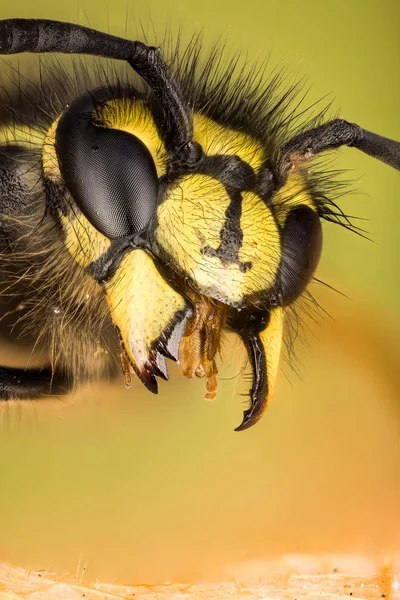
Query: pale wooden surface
[[286, 578]]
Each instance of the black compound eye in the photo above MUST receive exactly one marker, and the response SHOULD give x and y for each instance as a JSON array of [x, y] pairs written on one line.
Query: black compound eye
[[301, 251], [110, 174]]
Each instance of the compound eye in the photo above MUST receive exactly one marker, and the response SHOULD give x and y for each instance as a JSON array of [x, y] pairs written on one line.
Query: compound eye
[[110, 174], [301, 251]]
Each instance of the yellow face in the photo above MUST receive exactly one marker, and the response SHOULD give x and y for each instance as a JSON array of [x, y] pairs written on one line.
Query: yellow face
[[226, 240], [228, 258], [215, 236]]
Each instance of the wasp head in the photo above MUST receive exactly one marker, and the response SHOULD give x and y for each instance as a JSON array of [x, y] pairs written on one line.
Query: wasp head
[[182, 254]]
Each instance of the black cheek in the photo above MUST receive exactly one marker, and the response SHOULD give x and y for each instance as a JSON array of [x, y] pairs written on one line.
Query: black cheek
[[110, 174], [301, 251]]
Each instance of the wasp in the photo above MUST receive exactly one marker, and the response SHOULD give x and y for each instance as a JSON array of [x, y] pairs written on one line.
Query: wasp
[[149, 219]]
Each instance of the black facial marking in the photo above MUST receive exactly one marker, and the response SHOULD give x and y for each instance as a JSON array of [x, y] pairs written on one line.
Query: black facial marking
[[237, 176], [106, 265], [231, 234], [231, 171]]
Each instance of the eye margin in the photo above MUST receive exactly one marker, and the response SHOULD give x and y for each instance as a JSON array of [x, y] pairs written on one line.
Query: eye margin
[[88, 153]]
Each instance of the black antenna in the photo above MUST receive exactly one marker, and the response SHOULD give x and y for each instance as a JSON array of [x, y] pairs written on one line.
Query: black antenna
[[42, 36], [338, 133]]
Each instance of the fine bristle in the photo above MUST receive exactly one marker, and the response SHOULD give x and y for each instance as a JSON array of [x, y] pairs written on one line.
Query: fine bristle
[[60, 308]]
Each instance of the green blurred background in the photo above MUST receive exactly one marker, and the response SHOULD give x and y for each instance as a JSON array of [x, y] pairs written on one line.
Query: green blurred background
[[147, 488]]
